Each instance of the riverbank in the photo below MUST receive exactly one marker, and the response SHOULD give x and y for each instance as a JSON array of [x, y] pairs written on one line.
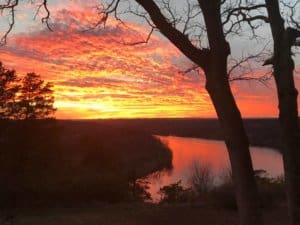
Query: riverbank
[[135, 214]]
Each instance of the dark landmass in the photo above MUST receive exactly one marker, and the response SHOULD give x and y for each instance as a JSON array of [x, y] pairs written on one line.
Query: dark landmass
[[261, 132], [49, 162]]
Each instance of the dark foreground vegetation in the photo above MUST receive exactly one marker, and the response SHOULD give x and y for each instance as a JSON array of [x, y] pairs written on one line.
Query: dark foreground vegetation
[[50, 162], [207, 190]]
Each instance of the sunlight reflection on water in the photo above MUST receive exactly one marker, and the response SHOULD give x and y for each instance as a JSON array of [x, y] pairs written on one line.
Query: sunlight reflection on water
[[187, 151]]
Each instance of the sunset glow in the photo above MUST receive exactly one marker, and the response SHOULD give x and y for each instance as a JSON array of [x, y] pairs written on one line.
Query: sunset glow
[[98, 73]]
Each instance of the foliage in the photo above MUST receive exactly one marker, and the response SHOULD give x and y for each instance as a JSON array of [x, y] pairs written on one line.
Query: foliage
[[138, 190], [36, 98], [26, 98], [74, 162], [175, 193], [8, 90], [271, 189], [221, 191]]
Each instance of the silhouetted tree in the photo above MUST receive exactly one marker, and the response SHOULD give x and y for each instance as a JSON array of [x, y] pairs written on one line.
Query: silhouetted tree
[[8, 89], [213, 61], [36, 98], [175, 193], [285, 31], [283, 68], [27, 98]]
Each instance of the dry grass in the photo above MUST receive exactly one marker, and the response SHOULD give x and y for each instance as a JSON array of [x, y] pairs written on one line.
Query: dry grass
[[136, 214]]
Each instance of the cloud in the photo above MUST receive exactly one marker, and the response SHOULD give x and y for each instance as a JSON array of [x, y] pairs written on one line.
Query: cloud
[[98, 74]]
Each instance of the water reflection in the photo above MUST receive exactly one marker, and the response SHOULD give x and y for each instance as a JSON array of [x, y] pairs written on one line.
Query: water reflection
[[187, 151]]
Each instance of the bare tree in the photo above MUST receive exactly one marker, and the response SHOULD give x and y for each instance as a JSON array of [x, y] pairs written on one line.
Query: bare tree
[[213, 61], [283, 66], [285, 30], [202, 178]]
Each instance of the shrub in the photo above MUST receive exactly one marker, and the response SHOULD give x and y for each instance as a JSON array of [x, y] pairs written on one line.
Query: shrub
[[138, 190], [175, 193], [202, 178], [271, 189]]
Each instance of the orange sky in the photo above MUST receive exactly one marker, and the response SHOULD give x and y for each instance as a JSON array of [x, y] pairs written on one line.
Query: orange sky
[[97, 75]]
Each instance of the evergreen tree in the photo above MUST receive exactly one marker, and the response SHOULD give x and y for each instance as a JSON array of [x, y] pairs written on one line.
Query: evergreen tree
[[27, 98], [8, 91], [36, 98]]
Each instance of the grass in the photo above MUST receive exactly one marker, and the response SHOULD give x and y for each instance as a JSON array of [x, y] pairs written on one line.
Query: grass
[[136, 214]]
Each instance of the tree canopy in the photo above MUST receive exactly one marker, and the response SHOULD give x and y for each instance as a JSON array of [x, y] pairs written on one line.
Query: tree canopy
[[25, 98]]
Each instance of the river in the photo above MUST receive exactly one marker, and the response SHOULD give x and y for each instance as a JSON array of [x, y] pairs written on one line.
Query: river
[[213, 154]]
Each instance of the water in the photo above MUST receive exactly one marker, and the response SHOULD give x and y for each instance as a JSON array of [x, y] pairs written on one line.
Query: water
[[188, 151]]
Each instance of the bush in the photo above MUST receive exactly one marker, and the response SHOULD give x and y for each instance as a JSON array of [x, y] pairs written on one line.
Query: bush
[[270, 189], [223, 196], [138, 190], [176, 193]]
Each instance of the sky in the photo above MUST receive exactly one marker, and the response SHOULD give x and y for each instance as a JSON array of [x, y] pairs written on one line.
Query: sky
[[97, 73]]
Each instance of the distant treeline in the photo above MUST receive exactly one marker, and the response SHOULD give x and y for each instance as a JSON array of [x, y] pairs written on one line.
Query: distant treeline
[[261, 132]]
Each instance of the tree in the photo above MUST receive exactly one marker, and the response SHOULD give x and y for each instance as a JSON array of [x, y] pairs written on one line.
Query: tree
[[175, 193], [8, 90], [36, 98], [283, 69], [213, 61], [284, 33], [27, 98]]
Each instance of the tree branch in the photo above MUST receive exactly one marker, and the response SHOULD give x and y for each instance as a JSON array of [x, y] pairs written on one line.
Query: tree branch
[[10, 5], [181, 41], [10, 8]]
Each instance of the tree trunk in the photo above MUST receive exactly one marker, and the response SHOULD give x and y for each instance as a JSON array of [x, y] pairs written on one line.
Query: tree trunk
[[214, 63], [236, 140], [288, 117], [238, 148], [283, 66]]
